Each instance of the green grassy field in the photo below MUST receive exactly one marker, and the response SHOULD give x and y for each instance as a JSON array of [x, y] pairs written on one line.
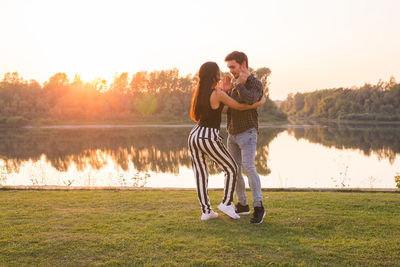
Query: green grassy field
[[156, 227]]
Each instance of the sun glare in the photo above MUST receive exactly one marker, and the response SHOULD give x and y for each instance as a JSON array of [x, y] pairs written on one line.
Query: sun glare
[[308, 45]]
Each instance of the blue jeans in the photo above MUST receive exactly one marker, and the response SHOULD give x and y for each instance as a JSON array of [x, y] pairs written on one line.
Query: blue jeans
[[242, 147]]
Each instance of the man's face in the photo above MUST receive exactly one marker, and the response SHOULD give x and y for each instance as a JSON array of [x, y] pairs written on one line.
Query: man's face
[[234, 67]]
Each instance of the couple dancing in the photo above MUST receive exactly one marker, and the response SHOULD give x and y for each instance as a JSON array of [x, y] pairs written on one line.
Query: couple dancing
[[239, 101]]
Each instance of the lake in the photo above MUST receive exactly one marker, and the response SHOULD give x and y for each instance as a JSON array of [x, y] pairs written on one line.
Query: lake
[[311, 156]]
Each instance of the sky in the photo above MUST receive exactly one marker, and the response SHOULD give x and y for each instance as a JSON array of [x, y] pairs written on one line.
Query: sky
[[308, 45]]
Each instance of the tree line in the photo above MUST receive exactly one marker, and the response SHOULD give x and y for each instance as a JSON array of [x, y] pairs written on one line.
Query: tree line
[[157, 96], [379, 102]]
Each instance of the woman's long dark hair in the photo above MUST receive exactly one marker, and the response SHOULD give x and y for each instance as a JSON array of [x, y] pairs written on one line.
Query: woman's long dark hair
[[208, 77]]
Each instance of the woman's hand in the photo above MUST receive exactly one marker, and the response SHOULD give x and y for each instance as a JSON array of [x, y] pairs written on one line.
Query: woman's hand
[[227, 83]]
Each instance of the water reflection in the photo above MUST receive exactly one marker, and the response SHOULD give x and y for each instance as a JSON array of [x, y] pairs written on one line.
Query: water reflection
[[159, 150], [146, 148], [137, 156], [383, 141]]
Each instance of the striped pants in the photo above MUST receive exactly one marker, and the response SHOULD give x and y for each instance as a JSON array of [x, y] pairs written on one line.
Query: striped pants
[[204, 141]]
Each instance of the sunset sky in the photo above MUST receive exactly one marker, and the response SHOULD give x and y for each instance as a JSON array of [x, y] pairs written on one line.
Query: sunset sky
[[308, 45]]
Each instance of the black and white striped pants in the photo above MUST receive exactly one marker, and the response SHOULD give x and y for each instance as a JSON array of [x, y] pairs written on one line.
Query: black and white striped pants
[[204, 141]]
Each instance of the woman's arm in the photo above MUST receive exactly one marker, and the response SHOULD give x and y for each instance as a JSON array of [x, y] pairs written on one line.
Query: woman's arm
[[222, 97]]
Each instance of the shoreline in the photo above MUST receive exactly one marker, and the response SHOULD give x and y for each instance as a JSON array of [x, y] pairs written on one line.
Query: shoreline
[[95, 126], [129, 188], [283, 124]]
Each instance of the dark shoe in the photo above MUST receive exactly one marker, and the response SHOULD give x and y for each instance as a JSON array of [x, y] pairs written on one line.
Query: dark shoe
[[258, 215], [242, 210]]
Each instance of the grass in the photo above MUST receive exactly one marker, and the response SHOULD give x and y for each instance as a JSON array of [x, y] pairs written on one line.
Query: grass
[[156, 227]]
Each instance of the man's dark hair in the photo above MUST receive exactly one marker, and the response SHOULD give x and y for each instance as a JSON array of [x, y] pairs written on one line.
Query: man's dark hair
[[239, 57]]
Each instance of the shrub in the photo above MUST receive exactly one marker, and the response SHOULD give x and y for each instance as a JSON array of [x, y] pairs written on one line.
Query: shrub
[[397, 181], [16, 121]]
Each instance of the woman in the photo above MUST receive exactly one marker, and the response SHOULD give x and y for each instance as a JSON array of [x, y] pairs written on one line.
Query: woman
[[204, 140]]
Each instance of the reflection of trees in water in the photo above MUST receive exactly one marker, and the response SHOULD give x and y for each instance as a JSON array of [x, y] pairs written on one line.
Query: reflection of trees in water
[[149, 149], [3, 174], [264, 138], [382, 141]]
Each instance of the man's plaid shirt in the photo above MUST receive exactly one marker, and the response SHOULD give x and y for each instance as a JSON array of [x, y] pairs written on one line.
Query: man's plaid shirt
[[248, 93]]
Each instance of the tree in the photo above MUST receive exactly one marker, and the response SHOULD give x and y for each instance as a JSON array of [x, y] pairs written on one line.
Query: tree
[[262, 74], [120, 84], [57, 86], [12, 78], [139, 82]]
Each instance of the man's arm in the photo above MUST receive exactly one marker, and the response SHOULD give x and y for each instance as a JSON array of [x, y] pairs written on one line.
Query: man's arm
[[251, 91]]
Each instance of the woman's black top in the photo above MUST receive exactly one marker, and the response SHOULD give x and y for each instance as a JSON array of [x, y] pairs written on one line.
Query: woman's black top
[[213, 118]]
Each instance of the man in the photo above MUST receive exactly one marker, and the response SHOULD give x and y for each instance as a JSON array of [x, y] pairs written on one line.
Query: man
[[242, 128]]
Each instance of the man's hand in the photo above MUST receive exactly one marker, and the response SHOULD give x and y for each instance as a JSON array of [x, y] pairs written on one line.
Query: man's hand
[[243, 75], [227, 83]]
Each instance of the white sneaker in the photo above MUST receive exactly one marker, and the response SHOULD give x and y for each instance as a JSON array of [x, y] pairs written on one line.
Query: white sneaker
[[229, 210], [209, 216]]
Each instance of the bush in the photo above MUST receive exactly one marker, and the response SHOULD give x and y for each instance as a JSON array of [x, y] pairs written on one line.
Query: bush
[[371, 117], [16, 121], [397, 181], [3, 121]]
